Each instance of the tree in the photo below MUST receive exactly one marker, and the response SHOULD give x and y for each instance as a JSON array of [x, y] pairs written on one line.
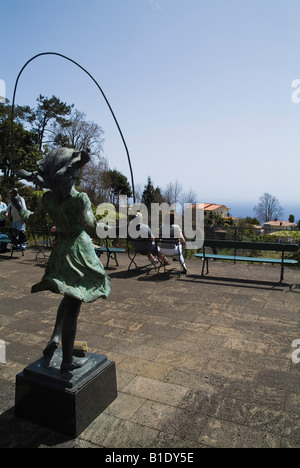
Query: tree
[[148, 193], [151, 195], [47, 111], [173, 193], [25, 152], [119, 185], [158, 196], [245, 227], [95, 180], [77, 133], [190, 197], [291, 218], [138, 193], [268, 208]]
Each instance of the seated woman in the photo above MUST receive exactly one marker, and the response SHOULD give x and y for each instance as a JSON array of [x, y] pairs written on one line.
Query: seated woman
[[172, 231]]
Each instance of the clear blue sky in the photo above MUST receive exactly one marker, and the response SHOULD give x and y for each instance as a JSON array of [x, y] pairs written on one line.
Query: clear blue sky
[[201, 88]]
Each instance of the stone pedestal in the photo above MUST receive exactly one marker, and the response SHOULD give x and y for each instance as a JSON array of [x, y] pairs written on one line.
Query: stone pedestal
[[66, 404]]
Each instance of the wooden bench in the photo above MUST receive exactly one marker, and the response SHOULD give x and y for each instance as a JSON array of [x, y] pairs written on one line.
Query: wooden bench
[[250, 246], [111, 252], [4, 242], [12, 239], [145, 247], [163, 243], [42, 239]]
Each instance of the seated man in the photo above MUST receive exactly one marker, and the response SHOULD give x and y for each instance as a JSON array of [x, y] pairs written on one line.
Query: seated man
[[173, 231]]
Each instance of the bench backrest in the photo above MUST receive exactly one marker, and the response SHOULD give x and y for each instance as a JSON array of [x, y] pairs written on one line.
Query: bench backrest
[[12, 233], [5, 230], [231, 244], [140, 244], [145, 244], [167, 241]]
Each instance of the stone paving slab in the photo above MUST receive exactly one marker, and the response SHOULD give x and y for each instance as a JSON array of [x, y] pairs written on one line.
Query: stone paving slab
[[201, 362]]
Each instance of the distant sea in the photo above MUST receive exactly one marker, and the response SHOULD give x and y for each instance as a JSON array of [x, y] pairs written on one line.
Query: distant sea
[[241, 210]]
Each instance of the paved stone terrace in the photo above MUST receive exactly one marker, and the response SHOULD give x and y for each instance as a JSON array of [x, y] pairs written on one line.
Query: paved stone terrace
[[201, 362]]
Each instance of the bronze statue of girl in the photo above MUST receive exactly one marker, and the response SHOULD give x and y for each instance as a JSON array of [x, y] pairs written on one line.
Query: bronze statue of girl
[[73, 269]]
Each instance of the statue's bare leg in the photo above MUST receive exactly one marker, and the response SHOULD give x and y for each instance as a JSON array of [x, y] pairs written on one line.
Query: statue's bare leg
[[71, 312], [65, 329], [55, 338]]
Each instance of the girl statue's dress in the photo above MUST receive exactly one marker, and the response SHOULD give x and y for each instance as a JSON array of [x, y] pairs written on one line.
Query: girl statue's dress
[[73, 268]]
